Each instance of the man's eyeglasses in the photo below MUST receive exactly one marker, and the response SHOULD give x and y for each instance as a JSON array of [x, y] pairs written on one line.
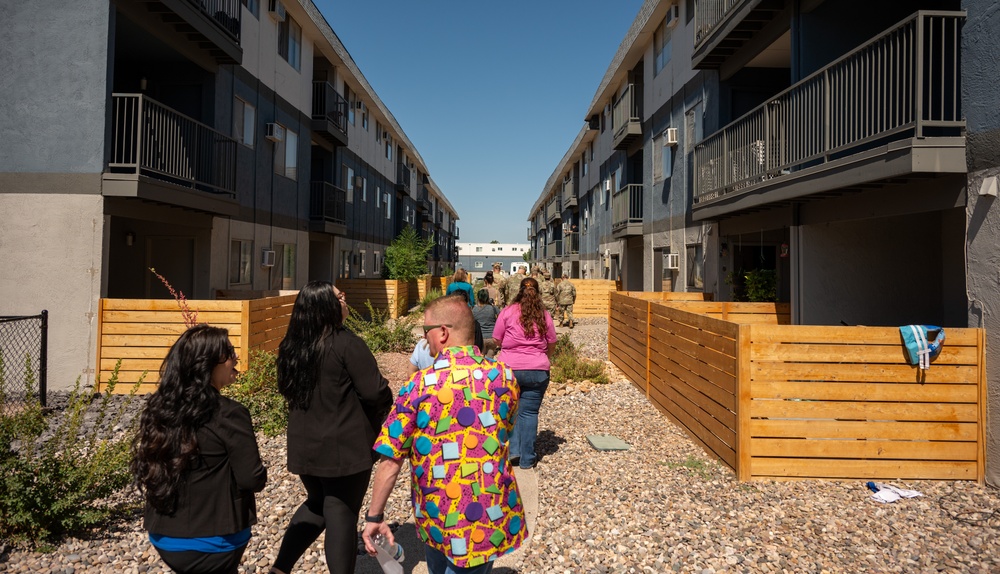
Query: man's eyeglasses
[[429, 328]]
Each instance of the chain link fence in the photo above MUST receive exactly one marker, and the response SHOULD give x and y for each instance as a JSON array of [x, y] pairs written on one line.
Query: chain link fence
[[23, 360]]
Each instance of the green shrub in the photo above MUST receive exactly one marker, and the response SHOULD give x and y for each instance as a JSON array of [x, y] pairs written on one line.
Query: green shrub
[[381, 333], [430, 296], [407, 255], [257, 390], [61, 484], [567, 364]]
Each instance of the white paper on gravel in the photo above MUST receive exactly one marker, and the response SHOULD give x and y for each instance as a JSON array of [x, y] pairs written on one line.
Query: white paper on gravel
[[888, 493]]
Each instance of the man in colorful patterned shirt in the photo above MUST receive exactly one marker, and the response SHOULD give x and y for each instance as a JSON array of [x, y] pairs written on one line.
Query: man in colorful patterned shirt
[[452, 421]]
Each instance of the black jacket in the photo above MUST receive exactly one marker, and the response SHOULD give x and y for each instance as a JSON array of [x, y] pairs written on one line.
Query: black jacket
[[334, 436], [216, 495]]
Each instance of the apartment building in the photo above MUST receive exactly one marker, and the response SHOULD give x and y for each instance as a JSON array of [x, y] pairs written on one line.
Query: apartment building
[[478, 258], [234, 146], [848, 146]]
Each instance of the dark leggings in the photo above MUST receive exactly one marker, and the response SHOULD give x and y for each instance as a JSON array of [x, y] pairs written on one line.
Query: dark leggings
[[332, 504]]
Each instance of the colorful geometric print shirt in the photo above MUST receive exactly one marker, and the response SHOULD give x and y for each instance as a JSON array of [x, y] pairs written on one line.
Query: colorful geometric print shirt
[[452, 421]]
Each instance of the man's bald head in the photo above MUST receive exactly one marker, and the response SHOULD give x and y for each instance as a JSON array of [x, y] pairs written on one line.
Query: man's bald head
[[450, 310]]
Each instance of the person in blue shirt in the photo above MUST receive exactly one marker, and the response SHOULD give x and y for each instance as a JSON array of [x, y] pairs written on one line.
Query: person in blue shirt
[[460, 283]]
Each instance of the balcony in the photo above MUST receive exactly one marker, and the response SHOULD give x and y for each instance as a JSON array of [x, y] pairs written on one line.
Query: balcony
[[329, 113], [424, 204], [557, 249], [627, 117], [569, 193], [571, 246], [327, 208], [626, 211], [887, 110], [723, 27], [553, 211], [211, 25], [161, 155], [402, 177]]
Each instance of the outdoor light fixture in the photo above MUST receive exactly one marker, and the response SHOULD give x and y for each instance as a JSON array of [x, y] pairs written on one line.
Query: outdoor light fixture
[[129, 238], [142, 84]]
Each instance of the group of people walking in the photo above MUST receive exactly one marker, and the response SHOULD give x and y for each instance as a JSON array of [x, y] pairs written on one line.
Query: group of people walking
[[463, 421]]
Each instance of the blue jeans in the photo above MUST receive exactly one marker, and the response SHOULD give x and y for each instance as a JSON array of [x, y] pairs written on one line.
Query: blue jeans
[[438, 563], [522, 438]]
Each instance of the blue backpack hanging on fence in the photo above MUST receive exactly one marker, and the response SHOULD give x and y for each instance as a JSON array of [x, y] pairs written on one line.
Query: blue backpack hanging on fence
[[920, 348]]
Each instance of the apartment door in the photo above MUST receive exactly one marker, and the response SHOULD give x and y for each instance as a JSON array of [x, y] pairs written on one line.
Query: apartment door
[[172, 258]]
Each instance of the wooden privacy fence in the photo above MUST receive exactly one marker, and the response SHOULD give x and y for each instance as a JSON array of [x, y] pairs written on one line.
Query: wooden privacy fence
[[591, 297], [392, 295], [139, 332], [779, 401]]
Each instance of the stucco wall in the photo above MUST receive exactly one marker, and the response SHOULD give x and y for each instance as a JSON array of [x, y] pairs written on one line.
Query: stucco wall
[[54, 263], [980, 71], [54, 69]]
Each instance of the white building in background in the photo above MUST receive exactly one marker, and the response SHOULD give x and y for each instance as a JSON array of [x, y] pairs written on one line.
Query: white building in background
[[478, 258]]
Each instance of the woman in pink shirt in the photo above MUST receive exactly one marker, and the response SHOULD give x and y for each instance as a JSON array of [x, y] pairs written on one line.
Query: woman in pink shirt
[[527, 337]]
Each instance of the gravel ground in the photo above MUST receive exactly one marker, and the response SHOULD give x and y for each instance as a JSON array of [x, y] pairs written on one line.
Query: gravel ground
[[661, 506]]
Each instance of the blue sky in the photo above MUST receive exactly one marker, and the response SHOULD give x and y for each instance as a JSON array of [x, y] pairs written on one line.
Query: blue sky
[[492, 94]]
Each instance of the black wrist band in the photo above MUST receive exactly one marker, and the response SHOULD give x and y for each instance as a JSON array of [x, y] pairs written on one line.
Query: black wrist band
[[380, 517]]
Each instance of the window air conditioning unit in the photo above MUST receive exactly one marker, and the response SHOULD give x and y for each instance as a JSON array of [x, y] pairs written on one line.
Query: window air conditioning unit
[[274, 132], [359, 182], [594, 122], [267, 258], [673, 261], [277, 10], [673, 15], [669, 137], [607, 185]]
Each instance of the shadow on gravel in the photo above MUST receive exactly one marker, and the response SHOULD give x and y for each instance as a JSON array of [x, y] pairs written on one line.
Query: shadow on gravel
[[548, 443]]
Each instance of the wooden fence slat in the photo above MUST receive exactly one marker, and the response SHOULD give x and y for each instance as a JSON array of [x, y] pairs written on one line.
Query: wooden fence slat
[[887, 391], [869, 410], [865, 449], [169, 305], [835, 353], [170, 316], [851, 335], [863, 430], [862, 372], [862, 469]]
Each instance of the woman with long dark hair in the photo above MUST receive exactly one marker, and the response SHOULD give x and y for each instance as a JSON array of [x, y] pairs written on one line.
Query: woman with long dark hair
[[195, 458], [337, 401], [527, 337]]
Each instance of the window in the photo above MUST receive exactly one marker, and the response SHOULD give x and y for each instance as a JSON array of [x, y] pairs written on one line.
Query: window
[[388, 149], [244, 122], [695, 267], [240, 262], [364, 190], [364, 117], [478, 265], [662, 158], [388, 206], [362, 257], [661, 47], [586, 218], [378, 131], [290, 42], [286, 155], [378, 197], [253, 6], [479, 249], [349, 184], [692, 127], [283, 272], [345, 264], [377, 263], [583, 164], [349, 96]]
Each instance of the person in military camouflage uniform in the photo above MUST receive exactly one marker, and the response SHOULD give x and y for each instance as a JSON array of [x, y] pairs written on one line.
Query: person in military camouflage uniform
[[547, 289], [499, 279], [512, 285], [565, 297]]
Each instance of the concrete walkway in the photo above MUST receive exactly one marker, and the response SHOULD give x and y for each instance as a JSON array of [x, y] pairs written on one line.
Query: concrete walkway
[[527, 484]]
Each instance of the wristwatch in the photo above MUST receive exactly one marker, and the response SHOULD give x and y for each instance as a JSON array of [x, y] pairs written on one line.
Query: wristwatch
[[380, 517]]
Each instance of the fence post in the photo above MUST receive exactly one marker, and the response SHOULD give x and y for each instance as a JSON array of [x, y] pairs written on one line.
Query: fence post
[[43, 360], [649, 327], [743, 442], [100, 343], [981, 451], [245, 334]]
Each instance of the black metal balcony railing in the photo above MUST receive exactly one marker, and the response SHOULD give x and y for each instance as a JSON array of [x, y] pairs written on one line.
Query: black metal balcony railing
[[569, 195], [557, 248], [627, 117], [225, 13], [709, 14], [553, 210], [626, 206], [328, 202], [329, 105], [571, 243], [402, 176], [153, 140], [895, 86]]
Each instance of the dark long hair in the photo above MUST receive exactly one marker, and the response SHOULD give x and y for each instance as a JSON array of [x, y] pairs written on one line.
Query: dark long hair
[[532, 309], [184, 401], [315, 316]]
